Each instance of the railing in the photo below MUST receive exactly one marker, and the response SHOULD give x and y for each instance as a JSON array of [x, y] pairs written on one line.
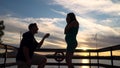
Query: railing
[[52, 55], [111, 57]]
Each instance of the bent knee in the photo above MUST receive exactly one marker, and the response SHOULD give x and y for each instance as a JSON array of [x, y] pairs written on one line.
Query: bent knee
[[44, 60]]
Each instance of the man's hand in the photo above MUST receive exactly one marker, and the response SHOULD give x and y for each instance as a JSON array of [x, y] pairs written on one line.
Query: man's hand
[[47, 35], [41, 42]]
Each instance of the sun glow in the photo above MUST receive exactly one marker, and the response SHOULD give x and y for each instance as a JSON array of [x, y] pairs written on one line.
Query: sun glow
[[84, 48], [85, 61]]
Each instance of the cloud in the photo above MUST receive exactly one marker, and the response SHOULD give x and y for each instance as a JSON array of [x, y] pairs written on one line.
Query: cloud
[[116, 1], [15, 25], [88, 29], [87, 12], [87, 6], [59, 12]]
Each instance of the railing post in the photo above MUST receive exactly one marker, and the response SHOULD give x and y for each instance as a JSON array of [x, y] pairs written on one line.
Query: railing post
[[111, 56], [98, 58], [90, 59], [5, 56]]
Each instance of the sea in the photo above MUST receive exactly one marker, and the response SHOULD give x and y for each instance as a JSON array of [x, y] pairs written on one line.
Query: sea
[[115, 62]]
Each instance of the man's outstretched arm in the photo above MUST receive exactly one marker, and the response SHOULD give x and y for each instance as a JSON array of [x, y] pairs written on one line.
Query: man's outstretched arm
[[41, 42]]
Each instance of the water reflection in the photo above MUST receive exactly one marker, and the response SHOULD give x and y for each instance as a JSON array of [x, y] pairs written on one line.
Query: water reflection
[[85, 67], [85, 61]]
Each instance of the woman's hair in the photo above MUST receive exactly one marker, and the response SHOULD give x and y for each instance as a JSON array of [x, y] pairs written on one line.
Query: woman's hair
[[32, 25], [72, 16]]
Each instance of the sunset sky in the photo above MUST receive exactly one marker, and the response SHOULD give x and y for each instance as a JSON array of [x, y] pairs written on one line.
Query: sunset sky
[[99, 21]]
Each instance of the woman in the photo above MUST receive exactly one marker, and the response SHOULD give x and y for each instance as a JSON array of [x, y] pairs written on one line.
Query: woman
[[71, 31]]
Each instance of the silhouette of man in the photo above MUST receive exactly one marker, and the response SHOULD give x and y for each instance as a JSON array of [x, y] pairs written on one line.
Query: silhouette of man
[[25, 56]]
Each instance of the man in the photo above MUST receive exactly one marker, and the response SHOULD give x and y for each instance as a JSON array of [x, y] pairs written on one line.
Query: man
[[25, 56]]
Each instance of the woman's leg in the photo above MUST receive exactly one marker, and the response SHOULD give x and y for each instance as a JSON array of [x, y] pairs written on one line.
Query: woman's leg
[[69, 56]]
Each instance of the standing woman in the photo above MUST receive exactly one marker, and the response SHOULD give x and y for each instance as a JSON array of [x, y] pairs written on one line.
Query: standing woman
[[70, 32]]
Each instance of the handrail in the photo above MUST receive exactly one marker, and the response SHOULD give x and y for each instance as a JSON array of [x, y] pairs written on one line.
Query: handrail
[[116, 47], [110, 49], [63, 50]]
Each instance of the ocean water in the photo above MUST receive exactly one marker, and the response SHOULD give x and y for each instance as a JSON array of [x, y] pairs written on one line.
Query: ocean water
[[75, 61], [49, 60], [116, 62]]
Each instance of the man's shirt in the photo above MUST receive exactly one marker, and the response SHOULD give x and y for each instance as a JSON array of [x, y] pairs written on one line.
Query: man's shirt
[[28, 41]]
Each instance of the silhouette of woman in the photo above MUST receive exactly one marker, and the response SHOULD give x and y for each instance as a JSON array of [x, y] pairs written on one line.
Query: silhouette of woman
[[70, 32]]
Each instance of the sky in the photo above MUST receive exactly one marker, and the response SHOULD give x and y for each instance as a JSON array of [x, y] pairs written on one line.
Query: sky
[[99, 21]]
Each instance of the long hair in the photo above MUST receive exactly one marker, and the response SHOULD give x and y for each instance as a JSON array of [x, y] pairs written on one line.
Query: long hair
[[72, 16]]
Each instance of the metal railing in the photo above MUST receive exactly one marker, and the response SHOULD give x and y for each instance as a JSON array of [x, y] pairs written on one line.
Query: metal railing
[[58, 56]]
